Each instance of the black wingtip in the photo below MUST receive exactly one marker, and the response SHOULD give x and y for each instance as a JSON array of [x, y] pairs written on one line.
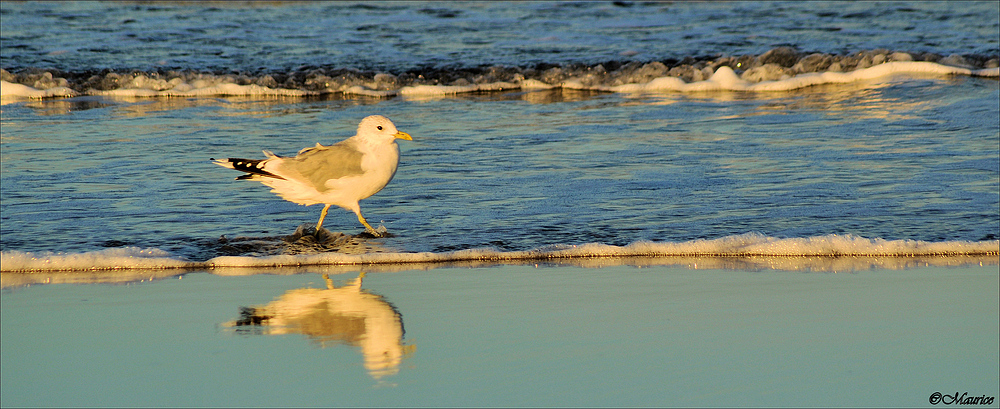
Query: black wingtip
[[251, 167]]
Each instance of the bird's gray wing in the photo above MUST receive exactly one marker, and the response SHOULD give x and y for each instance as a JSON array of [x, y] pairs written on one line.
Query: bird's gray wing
[[318, 164]]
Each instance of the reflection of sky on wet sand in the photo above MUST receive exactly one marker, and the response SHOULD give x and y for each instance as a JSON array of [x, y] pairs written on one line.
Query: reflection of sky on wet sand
[[554, 335], [334, 315]]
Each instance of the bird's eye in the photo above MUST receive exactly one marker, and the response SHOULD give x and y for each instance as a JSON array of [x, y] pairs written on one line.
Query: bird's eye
[[380, 127]]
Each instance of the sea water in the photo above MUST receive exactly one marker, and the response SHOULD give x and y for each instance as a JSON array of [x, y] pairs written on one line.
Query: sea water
[[894, 159], [598, 142]]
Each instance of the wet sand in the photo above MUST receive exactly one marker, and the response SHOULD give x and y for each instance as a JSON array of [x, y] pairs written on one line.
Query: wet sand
[[506, 335]]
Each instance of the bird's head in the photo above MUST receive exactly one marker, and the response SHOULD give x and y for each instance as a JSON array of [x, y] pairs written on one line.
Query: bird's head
[[380, 128]]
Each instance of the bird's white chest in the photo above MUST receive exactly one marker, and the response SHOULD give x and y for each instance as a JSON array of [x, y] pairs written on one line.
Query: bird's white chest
[[380, 159]]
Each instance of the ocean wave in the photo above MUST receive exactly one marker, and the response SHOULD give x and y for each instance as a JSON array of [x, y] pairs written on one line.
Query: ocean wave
[[749, 245], [780, 69]]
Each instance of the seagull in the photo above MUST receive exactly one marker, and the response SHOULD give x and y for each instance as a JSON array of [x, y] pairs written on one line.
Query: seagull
[[340, 174]]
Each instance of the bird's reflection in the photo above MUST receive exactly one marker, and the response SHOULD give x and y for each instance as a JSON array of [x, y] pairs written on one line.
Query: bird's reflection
[[339, 315]]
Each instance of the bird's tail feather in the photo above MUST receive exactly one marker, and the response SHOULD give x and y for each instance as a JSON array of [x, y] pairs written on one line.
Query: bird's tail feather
[[253, 167]]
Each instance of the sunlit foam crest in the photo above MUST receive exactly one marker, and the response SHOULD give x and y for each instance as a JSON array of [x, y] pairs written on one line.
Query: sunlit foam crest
[[763, 78], [108, 259], [745, 245]]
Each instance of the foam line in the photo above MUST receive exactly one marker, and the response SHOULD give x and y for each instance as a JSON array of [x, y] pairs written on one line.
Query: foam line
[[383, 85], [745, 245]]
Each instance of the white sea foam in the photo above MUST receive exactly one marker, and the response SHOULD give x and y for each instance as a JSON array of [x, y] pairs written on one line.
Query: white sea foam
[[433, 90], [725, 79], [745, 245], [127, 258], [385, 86], [9, 90], [368, 92], [532, 84], [223, 89]]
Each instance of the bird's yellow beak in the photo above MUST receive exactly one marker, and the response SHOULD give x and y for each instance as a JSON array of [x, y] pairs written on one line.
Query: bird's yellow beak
[[403, 135]]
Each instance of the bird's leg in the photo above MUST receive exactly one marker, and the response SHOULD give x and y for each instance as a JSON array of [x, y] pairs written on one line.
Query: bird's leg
[[368, 227], [356, 283], [321, 217]]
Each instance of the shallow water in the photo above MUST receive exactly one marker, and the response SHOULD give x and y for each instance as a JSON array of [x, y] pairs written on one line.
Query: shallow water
[[911, 159]]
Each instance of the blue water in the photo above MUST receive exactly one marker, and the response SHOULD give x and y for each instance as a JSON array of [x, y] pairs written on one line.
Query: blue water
[[886, 178], [403, 36], [910, 159]]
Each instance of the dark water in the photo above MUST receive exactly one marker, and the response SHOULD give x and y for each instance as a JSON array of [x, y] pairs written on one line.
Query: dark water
[[395, 37]]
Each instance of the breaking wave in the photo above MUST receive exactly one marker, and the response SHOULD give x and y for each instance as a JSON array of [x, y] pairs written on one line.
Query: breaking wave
[[780, 69]]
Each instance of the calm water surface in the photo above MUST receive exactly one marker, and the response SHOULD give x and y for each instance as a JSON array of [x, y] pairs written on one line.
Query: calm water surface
[[515, 336]]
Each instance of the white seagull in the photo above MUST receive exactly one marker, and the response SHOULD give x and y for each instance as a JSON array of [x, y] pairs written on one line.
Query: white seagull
[[340, 174]]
